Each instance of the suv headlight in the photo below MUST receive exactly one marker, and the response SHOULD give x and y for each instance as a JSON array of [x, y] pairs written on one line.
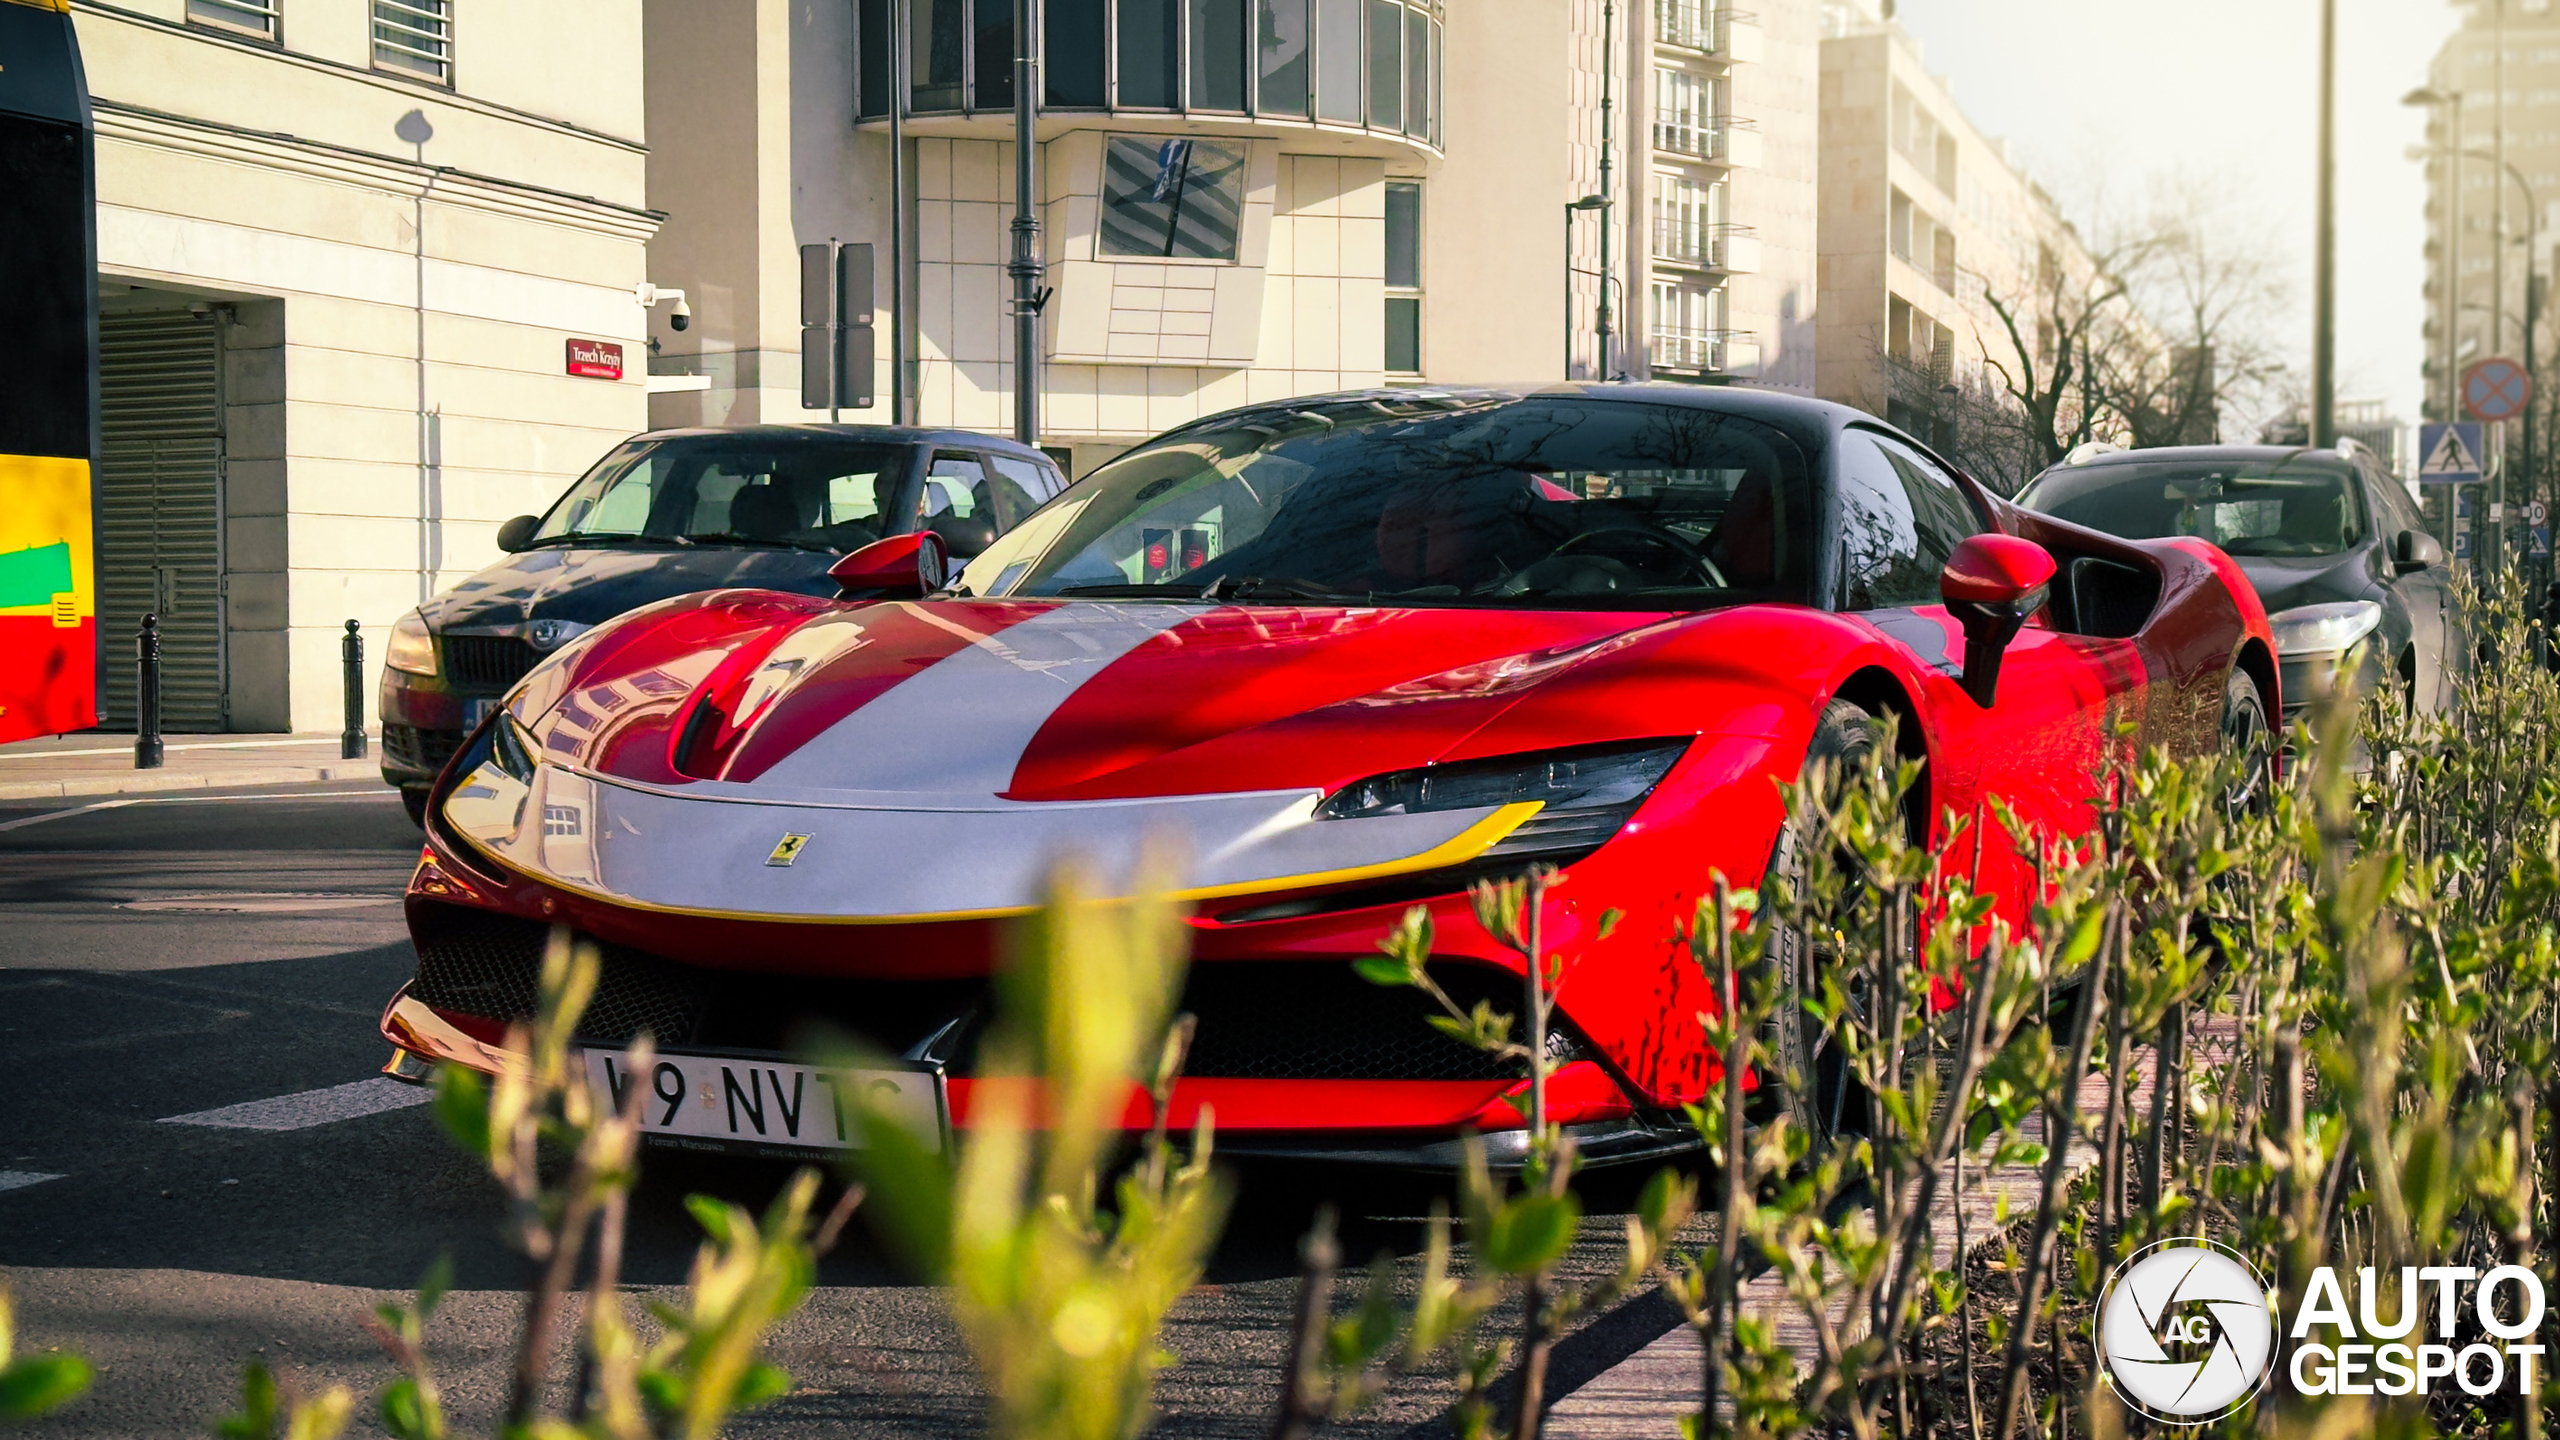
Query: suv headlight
[[2324, 629], [1587, 794], [412, 646]]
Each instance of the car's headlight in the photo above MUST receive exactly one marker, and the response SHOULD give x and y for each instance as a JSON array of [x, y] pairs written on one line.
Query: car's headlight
[[2324, 629], [412, 646], [1585, 794]]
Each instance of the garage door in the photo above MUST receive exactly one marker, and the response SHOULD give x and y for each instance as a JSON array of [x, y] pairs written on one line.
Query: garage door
[[160, 511]]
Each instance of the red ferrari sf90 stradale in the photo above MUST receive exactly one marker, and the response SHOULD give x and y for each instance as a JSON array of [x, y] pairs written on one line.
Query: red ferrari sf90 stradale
[[1353, 653]]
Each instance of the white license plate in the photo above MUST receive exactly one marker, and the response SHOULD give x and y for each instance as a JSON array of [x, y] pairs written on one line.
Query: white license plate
[[475, 711], [768, 1102]]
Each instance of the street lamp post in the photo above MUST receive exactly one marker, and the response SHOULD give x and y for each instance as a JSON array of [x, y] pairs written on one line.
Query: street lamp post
[[2451, 103], [1571, 209], [1028, 297], [2324, 265]]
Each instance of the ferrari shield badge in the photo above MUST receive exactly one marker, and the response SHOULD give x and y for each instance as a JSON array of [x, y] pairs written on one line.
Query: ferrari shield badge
[[787, 849]]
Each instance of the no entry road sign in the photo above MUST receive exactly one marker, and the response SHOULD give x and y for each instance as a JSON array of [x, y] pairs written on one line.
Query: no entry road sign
[[2496, 389]]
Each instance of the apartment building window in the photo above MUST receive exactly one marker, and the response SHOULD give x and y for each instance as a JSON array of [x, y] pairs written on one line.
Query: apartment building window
[[1685, 216], [1685, 22], [414, 37], [1281, 49], [1689, 327], [1172, 198], [1404, 277], [1685, 107], [255, 18]]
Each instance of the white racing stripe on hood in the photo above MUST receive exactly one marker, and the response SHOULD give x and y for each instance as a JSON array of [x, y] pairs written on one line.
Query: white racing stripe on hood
[[962, 725]]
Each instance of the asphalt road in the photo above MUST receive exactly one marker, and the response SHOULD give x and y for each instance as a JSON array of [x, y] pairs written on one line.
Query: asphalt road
[[167, 957]]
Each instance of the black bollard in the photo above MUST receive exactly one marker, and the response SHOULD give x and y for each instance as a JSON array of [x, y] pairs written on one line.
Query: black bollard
[[146, 695], [351, 651]]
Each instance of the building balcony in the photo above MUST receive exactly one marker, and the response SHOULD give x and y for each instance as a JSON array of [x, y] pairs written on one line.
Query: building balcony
[[1365, 72], [1731, 249], [1708, 27], [1706, 352], [1718, 140]]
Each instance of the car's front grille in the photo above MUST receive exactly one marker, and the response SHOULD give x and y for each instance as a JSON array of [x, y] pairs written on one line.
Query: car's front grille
[[487, 965], [1258, 1020], [1265, 1020], [486, 662], [413, 748]]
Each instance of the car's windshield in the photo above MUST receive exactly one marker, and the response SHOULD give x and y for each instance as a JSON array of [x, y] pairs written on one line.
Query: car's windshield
[[1545, 501], [814, 492], [2305, 504]]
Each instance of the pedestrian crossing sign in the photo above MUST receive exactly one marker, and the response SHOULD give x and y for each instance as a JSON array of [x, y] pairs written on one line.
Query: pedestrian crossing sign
[[2449, 454]]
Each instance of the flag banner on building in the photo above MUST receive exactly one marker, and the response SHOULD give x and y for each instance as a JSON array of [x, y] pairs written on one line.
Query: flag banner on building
[[48, 599]]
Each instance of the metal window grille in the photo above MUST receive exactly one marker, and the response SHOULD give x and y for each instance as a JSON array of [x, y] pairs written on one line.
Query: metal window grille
[[414, 37], [251, 17]]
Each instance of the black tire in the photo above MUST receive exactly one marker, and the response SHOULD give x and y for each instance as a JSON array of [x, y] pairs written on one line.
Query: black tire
[[413, 798], [1810, 1083], [2248, 739]]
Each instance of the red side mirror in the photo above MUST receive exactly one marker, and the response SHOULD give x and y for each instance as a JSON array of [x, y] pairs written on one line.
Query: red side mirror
[[900, 567], [1996, 570], [1991, 585]]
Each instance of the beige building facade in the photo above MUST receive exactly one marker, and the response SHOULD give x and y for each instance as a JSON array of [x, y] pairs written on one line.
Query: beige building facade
[[1924, 222], [1242, 200], [343, 246]]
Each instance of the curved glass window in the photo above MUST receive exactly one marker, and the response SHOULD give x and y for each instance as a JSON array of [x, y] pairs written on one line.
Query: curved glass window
[[1217, 54], [1373, 63], [1541, 502], [1338, 60], [1073, 72], [1150, 54], [1281, 50]]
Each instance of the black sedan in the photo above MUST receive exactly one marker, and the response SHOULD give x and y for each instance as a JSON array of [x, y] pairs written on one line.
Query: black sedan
[[673, 512], [2332, 541]]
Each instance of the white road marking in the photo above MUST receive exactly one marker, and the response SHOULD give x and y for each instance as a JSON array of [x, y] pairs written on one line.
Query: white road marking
[[60, 814], [257, 902], [311, 1107], [18, 1179], [383, 794]]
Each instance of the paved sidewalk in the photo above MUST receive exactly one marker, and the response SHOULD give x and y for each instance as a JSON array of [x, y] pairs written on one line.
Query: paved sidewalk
[[101, 763], [1647, 1393]]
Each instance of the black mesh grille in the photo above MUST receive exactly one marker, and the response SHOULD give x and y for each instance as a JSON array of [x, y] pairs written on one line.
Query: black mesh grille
[[1299, 1021], [486, 662], [416, 749], [1257, 1020], [491, 966]]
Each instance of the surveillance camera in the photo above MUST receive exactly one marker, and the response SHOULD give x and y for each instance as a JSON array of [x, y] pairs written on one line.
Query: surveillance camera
[[680, 315]]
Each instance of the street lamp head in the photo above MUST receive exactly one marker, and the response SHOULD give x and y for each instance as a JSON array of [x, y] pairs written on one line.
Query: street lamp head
[[1587, 202], [2426, 95]]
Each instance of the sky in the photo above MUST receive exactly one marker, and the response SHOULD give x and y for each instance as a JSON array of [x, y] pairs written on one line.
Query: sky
[[2096, 96]]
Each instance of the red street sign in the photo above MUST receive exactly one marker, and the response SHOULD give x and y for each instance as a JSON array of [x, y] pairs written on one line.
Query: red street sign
[[2496, 389], [595, 359]]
